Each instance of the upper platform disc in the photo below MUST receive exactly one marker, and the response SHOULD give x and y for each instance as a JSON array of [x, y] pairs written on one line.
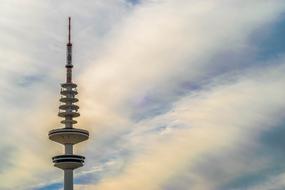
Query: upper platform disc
[[68, 135]]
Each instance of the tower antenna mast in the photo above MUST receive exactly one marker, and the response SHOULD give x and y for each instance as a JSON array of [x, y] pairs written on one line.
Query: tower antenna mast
[[69, 29]]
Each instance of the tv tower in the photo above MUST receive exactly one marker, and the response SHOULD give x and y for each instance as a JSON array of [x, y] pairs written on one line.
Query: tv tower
[[68, 136]]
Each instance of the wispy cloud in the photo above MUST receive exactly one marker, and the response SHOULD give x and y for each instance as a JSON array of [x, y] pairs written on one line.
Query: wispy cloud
[[174, 93]]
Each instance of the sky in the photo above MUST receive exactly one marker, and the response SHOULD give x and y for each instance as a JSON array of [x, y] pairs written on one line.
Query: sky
[[176, 94]]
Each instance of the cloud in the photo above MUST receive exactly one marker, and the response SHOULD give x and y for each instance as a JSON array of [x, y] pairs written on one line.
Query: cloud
[[166, 88], [32, 66], [159, 69], [213, 125]]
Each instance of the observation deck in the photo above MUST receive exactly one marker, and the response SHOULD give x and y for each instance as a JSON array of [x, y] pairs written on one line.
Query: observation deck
[[68, 135], [68, 162]]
